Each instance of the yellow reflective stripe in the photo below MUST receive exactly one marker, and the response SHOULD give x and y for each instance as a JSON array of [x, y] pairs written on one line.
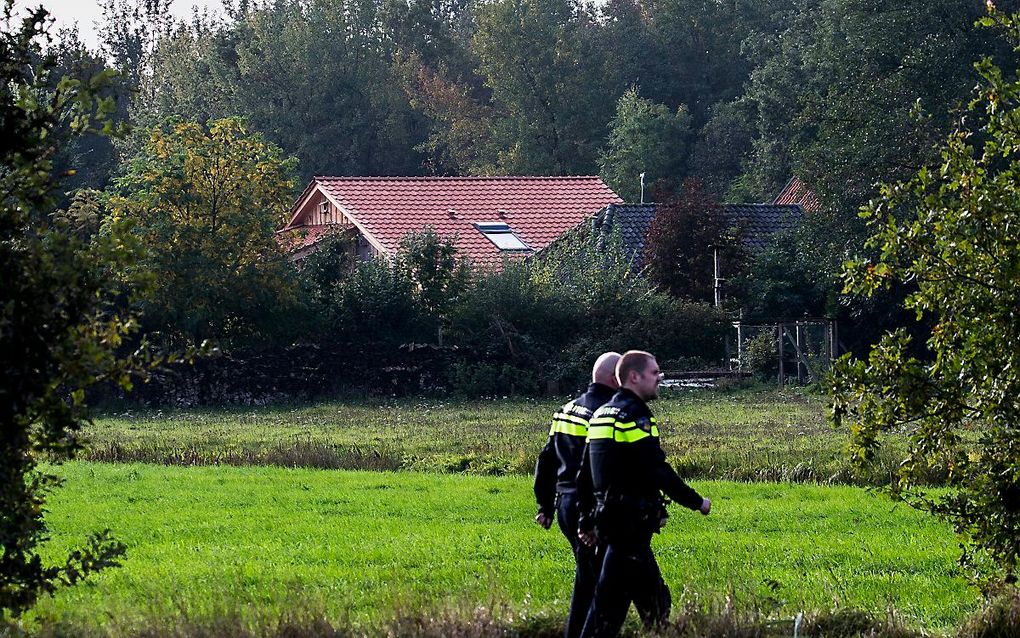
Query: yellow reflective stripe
[[620, 432], [634, 434], [630, 436], [572, 429], [566, 423], [602, 420], [570, 417]]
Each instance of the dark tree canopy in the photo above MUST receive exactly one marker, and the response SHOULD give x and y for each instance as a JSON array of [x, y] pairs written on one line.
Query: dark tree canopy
[[682, 239]]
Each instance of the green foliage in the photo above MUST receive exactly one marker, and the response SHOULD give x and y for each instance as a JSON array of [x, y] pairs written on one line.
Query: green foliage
[[375, 303], [795, 274], [545, 320], [206, 202], [832, 122], [431, 264], [762, 355], [322, 270], [544, 66], [462, 139], [62, 323], [950, 233], [644, 138], [395, 302], [314, 77], [718, 152], [510, 321]]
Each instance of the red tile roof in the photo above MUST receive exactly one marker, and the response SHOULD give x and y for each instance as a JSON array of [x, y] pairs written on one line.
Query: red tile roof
[[537, 209], [295, 238], [796, 192]]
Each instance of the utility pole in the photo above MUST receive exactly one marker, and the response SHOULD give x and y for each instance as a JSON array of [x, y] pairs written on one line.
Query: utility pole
[[717, 280]]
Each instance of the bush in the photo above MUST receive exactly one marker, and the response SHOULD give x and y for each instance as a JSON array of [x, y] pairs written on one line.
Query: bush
[[999, 619], [762, 355], [421, 322]]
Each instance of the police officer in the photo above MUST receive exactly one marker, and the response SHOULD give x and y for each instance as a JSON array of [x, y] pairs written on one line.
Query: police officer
[[555, 481], [627, 477]]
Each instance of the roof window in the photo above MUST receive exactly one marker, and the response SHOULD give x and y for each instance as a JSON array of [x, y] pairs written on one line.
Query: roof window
[[502, 236]]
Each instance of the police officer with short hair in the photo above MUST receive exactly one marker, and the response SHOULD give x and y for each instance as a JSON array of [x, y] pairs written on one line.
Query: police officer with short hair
[[555, 481], [625, 470]]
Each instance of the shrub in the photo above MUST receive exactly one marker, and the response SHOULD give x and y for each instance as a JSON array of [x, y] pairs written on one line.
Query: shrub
[[762, 355], [999, 619]]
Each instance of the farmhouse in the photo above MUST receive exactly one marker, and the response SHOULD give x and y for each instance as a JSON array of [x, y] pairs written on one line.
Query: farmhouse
[[489, 218]]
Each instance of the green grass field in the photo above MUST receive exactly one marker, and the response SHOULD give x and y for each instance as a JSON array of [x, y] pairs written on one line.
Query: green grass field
[[362, 510], [747, 435], [361, 546]]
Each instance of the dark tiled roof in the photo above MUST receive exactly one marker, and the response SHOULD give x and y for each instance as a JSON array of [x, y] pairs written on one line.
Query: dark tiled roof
[[760, 221], [757, 221], [633, 221], [537, 209]]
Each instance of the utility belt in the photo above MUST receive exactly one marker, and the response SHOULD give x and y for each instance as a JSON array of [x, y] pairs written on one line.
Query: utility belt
[[624, 516]]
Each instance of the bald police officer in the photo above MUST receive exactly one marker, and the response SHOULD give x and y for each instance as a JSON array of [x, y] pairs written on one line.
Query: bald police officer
[[555, 481]]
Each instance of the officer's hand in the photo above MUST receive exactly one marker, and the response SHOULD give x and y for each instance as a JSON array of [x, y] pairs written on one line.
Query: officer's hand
[[588, 538], [706, 506], [543, 520]]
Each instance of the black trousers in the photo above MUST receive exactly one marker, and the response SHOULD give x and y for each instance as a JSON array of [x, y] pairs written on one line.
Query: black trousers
[[587, 564], [629, 575]]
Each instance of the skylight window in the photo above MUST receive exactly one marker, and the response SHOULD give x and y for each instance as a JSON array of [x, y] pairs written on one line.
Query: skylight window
[[502, 236]]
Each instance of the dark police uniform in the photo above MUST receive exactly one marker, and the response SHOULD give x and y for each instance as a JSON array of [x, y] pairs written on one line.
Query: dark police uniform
[[556, 491], [621, 484]]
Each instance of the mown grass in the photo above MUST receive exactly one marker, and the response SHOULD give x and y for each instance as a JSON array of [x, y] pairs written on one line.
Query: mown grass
[[748, 435], [359, 548]]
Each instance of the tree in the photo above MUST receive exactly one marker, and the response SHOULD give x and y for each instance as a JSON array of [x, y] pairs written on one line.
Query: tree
[[62, 320], [206, 203], [430, 262], [462, 137], [718, 154], [88, 160], [545, 68], [950, 233], [644, 137], [315, 77], [830, 122], [679, 249]]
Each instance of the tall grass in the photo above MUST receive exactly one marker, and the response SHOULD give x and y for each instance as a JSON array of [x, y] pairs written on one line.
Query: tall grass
[[769, 435]]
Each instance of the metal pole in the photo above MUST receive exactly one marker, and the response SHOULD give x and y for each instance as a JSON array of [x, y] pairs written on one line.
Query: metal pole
[[717, 282], [780, 329], [800, 353], [642, 188], [740, 343]]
